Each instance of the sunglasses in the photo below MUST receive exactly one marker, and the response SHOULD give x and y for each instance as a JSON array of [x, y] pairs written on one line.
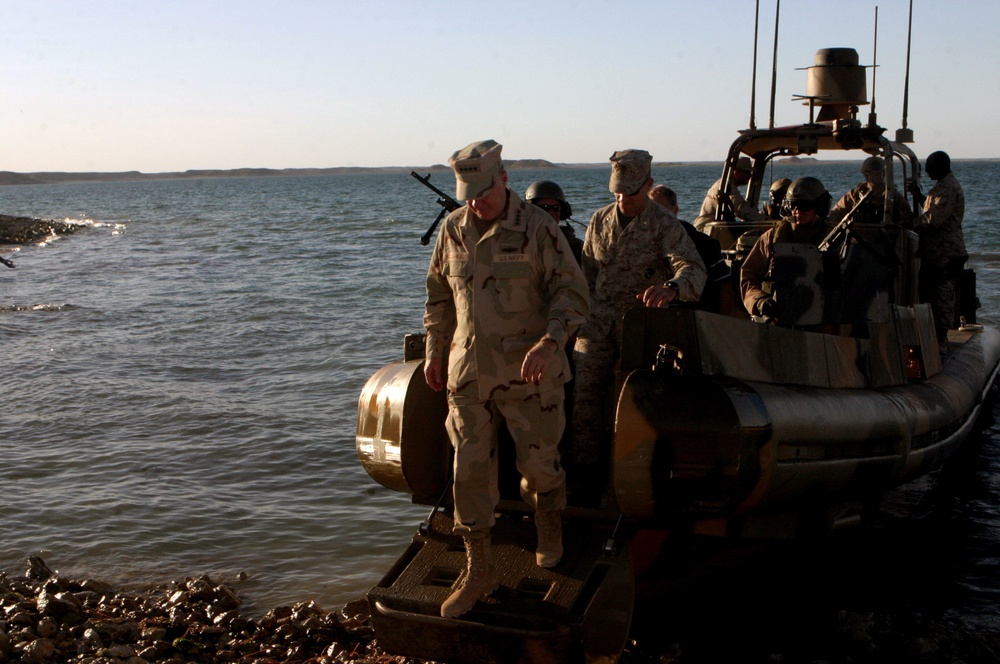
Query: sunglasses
[[555, 207], [805, 206]]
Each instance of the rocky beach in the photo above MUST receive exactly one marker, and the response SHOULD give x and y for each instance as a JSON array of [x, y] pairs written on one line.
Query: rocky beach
[[28, 230], [45, 618]]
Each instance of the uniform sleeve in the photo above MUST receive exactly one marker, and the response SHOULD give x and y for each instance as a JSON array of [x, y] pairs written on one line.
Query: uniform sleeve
[[840, 210], [689, 269], [753, 272], [569, 294], [439, 309], [744, 210], [940, 205]]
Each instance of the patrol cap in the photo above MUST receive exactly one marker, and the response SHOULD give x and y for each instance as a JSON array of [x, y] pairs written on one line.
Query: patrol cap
[[744, 164], [629, 170], [872, 165], [476, 167]]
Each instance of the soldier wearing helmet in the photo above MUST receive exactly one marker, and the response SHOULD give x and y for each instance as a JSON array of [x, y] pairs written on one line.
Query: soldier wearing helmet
[[808, 204], [777, 196], [872, 210], [549, 196]]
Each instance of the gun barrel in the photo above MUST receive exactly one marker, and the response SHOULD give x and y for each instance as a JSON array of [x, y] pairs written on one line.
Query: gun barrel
[[844, 225], [448, 204]]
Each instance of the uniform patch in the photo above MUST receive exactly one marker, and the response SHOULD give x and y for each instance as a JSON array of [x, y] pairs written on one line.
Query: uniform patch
[[510, 258]]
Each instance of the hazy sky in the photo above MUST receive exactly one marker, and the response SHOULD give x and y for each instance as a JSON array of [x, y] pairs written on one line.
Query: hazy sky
[[154, 86]]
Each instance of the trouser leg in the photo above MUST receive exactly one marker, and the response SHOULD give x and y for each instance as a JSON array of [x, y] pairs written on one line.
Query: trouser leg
[[473, 425], [536, 424], [595, 362]]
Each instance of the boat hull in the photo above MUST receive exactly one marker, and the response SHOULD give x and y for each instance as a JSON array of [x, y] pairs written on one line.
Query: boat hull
[[733, 457]]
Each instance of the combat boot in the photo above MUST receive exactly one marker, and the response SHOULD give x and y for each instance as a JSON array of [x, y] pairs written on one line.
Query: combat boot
[[478, 579], [550, 544]]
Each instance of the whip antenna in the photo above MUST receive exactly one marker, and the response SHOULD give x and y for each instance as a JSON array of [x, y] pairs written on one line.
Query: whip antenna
[[872, 115], [904, 135], [774, 62], [753, 81]]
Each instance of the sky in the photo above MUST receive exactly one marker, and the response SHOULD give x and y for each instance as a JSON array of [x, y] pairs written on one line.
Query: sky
[[161, 86]]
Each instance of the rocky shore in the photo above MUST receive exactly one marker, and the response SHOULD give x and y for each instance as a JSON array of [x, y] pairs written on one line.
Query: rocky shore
[[46, 619], [28, 230]]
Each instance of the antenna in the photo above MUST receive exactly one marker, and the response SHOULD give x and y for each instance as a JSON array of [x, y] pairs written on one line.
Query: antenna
[[871, 114], [753, 82], [774, 62], [904, 135]]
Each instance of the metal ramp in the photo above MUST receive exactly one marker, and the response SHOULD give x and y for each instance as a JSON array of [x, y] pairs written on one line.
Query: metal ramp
[[578, 611]]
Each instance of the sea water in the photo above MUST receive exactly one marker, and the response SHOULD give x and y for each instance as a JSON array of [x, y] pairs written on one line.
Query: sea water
[[180, 377]]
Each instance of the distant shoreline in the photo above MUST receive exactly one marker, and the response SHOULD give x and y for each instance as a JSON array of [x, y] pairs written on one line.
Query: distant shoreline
[[58, 177]]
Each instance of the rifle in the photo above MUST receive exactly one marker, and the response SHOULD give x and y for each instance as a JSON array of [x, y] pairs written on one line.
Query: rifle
[[7, 262], [448, 204], [841, 230]]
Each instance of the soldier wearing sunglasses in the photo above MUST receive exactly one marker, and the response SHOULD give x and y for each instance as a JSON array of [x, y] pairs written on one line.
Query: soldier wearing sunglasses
[[808, 205]]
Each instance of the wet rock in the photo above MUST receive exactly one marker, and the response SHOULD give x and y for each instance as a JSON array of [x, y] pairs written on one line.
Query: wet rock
[[28, 230], [47, 628], [37, 569], [39, 651]]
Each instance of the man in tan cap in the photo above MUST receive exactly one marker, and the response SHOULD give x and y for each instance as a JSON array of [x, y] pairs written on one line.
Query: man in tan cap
[[740, 176], [635, 253], [504, 294], [872, 210]]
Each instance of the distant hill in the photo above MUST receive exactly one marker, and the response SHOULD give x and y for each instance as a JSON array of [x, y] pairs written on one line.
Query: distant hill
[[6, 177]]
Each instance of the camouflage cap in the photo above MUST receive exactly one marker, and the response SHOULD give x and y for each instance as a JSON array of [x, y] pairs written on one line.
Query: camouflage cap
[[629, 171], [476, 167], [872, 165]]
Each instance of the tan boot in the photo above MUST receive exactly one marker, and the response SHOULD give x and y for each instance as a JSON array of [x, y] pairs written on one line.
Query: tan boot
[[550, 544], [478, 579]]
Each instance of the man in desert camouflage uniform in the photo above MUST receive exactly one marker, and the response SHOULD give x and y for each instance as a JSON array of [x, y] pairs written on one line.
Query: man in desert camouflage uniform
[[635, 253], [504, 293], [741, 175], [873, 208], [942, 244]]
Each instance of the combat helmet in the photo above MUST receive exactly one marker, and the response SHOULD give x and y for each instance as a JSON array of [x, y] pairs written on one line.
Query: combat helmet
[[809, 190], [548, 189], [872, 165], [778, 189]]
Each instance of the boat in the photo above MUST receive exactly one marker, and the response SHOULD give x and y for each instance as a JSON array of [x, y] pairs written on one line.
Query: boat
[[796, 431]]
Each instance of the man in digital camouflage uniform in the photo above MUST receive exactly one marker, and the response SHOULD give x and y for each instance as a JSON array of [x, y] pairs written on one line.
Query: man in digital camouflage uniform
[[504, 293], [873, 208], [635, 253], [942, 244]]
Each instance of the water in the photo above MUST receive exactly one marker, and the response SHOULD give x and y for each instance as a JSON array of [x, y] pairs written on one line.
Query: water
[[180, 377]]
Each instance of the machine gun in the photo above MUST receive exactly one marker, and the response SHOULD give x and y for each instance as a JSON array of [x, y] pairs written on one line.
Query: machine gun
[[843, 230], [447, 203], [7, 263]]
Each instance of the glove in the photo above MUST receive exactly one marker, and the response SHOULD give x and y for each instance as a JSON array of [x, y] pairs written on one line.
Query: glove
[[767, 308]]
